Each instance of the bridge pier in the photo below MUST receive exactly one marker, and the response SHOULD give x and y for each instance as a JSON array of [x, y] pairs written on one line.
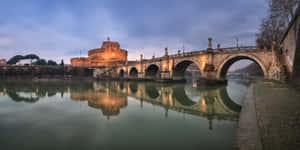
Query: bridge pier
[[141, 75], [210, 78], [166, 75], [213, 82]]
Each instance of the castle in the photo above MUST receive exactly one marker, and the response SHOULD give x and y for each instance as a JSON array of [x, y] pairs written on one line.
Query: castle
[[109, 53]]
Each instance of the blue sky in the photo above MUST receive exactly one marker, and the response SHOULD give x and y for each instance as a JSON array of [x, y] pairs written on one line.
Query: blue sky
[[60, 29]]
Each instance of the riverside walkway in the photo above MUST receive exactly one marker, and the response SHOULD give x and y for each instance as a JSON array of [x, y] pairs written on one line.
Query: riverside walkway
[[274, 121]]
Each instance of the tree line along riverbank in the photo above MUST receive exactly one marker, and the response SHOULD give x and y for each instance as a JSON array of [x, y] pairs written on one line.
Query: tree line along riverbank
[[25, 72]]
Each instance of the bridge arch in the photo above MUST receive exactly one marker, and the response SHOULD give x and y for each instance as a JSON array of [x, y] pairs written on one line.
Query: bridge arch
[[152, 71], [121, 73], [179, 94], [227, 101], [225, 65], [133, 87], [121, 85], [181, 66], [152, 92], [133, 73]]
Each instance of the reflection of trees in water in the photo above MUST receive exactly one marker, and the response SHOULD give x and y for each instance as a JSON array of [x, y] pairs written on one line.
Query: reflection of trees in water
[[39, 89]]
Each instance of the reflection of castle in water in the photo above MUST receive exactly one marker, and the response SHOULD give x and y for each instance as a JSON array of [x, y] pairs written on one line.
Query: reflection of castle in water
[[111, 97], [109, 102]]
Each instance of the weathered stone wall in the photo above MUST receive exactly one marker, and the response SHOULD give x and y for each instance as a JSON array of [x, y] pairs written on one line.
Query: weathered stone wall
[[290, 49], [289, 42], [296, 68]]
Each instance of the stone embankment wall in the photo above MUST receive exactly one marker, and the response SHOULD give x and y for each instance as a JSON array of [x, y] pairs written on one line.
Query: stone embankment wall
[[25, 72], [290, 49], [296, 73]]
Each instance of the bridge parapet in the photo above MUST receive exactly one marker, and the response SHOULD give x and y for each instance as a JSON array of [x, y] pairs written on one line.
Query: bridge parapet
[[237, 49], [188, 53], [199, 52]]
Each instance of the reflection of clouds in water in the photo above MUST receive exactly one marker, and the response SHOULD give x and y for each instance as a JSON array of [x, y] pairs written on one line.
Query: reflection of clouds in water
[[192, 93], [236, 91]]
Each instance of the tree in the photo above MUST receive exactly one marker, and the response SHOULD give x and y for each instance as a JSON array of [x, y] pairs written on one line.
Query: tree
[[15, 59], [273, 27], [40, 62], [31, 57], [285, 9], [62, 62], [52, 63]]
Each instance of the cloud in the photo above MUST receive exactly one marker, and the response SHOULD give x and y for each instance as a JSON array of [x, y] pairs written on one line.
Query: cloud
[[61, 29], [5, 41]]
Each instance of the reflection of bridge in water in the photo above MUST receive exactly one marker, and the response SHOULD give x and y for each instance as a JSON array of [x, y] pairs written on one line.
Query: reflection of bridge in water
[[110, 97], [212, 103]]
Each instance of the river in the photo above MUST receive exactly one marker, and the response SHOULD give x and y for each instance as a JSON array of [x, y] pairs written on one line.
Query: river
[[117, 115]]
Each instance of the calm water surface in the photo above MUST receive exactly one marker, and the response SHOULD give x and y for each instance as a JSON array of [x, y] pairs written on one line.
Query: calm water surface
[[118, 115]]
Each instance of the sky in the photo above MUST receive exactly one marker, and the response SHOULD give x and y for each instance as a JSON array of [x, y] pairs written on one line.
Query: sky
[[60, 29]]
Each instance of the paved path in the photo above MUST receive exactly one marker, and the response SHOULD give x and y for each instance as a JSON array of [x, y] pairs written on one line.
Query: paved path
[[278, 114], [248, 137]]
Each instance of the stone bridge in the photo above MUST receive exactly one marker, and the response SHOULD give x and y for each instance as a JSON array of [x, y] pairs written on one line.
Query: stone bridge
[[213, 64]]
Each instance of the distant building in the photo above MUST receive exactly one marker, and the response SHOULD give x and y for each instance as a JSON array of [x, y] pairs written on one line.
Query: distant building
[[2, 62], [109, 53]]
